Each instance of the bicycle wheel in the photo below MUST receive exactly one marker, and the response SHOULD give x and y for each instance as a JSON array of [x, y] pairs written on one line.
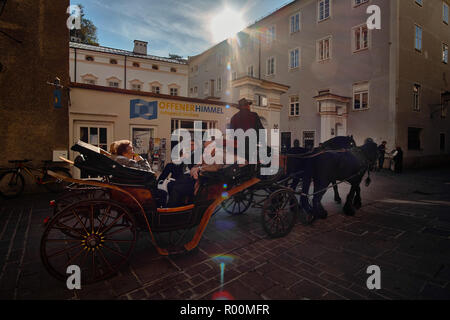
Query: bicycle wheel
[[12, 184], [54, 185]]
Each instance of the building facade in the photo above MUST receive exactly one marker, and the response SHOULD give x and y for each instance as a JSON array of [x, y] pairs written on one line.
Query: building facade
[[344, 79], [129, 70], [33, 52], [100, 115]]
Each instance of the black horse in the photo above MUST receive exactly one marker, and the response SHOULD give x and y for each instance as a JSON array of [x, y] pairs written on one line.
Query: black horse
[[330, 166], [299, 158]]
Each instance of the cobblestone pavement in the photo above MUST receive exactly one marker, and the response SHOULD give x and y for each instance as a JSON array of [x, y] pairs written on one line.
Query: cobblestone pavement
[[403, 227]]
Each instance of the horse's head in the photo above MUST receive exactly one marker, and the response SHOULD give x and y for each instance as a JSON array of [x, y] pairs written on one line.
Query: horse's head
[[370, 150]]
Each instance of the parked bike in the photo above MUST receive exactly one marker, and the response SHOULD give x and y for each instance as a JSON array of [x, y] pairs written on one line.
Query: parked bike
[[12, 182]]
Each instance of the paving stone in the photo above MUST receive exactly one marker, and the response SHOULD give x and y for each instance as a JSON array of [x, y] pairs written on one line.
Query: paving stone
[[238, 289], [279, 293], [435, 292], [256, 281], [308, 290]]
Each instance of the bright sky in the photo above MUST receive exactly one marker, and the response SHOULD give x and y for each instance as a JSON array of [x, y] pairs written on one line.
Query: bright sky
[[180, 27]]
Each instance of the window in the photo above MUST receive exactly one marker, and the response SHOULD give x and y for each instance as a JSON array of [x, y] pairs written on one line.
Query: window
[[358, 2], [445, 12], [270, 66], [444, 53], [112, 61], [361, 96], [173, 69], [136, 65], [156, 89], [419, 2], [308, 139], [414, 138], [234, 76], [295, 22], [418, 42], [219, 84], [89, 79], [155, 67], [294, 106], [94, 135], [250, 71], [219, 59], [324, 9], [206, 88], [89, 58], [136, 87], [141, 138], [324, 49], [416, 97], [442, 141], [195, 91], [173, 91], [113, 82], [270, 35], [260, 100], [360, 38], [294, 58], [191, 91]]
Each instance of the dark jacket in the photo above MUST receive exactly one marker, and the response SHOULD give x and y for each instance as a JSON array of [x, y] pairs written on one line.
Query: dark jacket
[[246, 119]]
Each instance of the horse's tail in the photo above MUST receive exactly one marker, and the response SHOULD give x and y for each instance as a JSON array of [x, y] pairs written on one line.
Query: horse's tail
[[368, 180]]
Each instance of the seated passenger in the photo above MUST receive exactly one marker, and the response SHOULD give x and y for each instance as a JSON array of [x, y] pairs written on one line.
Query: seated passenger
[[126, 156]]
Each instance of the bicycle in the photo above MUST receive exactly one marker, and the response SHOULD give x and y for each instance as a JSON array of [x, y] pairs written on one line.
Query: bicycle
[[12, 182]]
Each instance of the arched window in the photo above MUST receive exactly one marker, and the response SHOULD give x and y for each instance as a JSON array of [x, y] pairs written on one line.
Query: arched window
[[113, 61], [136, 65], [155, 67], [89, 58], [173, 69]]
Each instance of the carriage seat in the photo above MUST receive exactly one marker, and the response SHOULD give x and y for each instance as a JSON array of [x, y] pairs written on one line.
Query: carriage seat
[[231, 174], [95, 163]]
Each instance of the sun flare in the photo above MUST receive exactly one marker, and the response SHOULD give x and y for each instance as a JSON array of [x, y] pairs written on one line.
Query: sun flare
[[226, 24]]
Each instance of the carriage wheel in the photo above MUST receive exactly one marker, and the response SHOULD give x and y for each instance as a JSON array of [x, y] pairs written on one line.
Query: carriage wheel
[[73, 196], [238, 203], [96, 235], [279, 213]]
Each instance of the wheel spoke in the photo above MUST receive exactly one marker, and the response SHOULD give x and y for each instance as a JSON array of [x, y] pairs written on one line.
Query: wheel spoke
[[112, 223], [58, 253], [117, 231], [106, 260], [114, 251], [73, 258], [82, 224]]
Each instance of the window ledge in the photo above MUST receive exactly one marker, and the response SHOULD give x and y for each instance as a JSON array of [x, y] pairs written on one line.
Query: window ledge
[[361, 4], [324, 60], [361, 50], [362, 109], [327, 18], [294, 69], [294, 117]]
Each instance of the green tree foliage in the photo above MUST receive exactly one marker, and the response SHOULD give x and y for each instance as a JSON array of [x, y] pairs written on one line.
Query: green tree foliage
[[88, 32]]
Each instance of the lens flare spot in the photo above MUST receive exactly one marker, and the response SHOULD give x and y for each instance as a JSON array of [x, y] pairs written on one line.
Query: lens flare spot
[[225, 186], [224, 195], [222, 295]]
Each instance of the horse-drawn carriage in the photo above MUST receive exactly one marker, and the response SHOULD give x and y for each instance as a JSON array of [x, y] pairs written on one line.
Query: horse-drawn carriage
[[95, 222]]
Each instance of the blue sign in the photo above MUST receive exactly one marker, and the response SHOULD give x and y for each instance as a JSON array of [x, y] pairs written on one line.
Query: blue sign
[[143, 109], [57, 98]]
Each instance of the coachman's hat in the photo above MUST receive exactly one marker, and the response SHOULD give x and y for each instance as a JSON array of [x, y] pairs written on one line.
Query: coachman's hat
[[244, 102]]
